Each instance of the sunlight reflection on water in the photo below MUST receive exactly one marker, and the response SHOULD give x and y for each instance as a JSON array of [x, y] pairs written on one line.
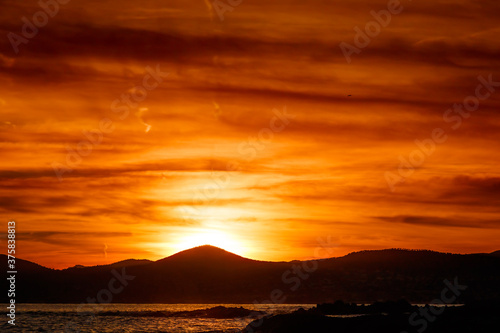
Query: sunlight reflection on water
[[57, 317]]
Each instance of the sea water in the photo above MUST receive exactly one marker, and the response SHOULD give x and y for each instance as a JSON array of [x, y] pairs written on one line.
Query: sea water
[[129, 318]]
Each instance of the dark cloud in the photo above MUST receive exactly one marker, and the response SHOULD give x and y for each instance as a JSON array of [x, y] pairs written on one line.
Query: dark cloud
[[441, 222], [70, 239]]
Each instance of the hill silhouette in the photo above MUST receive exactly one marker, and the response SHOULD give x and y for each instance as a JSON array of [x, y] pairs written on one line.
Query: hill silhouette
[[208, 274], [496, 253], [204, 254]]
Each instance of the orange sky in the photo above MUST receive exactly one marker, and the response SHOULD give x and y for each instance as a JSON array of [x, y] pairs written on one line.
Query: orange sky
[[321, 172]]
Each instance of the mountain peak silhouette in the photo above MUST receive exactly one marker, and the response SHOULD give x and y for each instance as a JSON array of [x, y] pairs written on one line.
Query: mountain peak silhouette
[[207, 274], [204, 253]]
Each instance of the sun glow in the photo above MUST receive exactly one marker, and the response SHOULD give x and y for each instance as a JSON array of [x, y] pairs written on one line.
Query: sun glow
[[218, 238]]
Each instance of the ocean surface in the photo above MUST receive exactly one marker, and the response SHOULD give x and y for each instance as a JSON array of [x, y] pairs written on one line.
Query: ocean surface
[[128, 318]]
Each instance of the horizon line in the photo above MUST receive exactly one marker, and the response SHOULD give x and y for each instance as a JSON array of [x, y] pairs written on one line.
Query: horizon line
[[253, 259]]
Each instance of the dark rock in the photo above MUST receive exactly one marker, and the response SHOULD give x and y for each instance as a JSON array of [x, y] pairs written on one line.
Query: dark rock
[[478, 317]]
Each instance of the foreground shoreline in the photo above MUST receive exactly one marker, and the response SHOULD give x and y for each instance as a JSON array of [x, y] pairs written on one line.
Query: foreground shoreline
[[386, 317]]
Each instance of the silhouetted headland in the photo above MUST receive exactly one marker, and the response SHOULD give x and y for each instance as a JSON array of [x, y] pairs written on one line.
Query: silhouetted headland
[[209, 275]]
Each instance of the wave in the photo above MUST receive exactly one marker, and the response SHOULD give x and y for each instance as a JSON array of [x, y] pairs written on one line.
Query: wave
[[218, 312]]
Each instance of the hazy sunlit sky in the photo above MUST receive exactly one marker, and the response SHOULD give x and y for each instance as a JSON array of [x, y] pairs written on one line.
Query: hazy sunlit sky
[[202, 158]]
